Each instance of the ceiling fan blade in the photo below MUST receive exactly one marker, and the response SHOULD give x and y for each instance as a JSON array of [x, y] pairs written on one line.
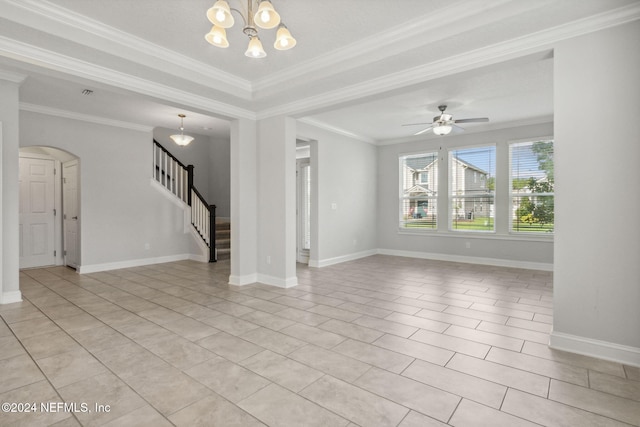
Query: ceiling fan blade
[[415, 124], [476, 120], [456, 129], [423, 131]]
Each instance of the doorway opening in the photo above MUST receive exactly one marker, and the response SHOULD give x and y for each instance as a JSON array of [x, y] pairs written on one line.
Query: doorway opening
[[49, 208], [303, 202]]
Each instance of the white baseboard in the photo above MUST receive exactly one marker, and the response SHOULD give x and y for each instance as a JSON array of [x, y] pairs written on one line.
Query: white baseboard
[[276, 281], [94, 268], [10, 297], [343, 258], [243, 280], [469, 260], [595, 348]]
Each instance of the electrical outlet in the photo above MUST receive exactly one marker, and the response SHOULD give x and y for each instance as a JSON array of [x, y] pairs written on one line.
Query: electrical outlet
[[147, 246], [468, 245], [268, 259]]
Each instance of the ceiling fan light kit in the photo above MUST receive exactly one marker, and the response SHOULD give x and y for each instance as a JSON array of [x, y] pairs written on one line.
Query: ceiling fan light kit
[[444, 124], [265, 17]]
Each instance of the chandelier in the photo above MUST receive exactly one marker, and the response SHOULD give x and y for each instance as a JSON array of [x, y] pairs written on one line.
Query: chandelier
[[265, 17]]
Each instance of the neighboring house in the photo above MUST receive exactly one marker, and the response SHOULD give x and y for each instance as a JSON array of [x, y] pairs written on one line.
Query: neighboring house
[[420, 178]]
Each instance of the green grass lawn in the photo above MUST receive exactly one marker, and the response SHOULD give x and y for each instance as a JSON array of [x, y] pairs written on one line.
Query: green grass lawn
[[479, 224]]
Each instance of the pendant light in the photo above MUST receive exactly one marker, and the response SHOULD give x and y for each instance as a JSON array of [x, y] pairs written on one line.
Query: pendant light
[[181, 139]]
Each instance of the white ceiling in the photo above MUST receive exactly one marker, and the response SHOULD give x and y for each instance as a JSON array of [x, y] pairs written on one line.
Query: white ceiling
[[361, 67]]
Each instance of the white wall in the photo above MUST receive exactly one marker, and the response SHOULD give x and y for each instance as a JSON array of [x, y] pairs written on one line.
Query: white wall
[[9, 217], [499, 248], [276, 207], [120, 210], [597, 253], [343, 173]]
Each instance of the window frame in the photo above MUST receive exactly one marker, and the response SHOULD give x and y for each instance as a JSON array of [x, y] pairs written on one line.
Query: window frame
[[483, 183], [431, 199], [512, 196]]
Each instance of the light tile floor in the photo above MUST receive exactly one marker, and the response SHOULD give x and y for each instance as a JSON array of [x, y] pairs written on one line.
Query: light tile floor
[[382, 341]]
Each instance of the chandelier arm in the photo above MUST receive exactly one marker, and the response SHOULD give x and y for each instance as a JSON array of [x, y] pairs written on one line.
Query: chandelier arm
[[233, 9]]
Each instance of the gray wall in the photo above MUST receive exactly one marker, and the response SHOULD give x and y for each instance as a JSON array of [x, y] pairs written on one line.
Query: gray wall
[[343, 172], [498, 248], [120, 210], [597, 254]]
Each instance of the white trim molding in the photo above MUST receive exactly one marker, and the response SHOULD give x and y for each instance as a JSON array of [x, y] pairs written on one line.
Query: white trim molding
[[496, 262], [10, 297], [595, 348], [343, 258], [247, 279], [94, 268], [277, 281]]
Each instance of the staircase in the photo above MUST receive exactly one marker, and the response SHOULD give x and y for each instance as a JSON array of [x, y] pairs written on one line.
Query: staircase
[[178, 179], [223, 240]]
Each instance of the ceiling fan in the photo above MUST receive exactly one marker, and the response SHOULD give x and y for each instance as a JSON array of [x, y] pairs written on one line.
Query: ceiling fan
[[444, 123]]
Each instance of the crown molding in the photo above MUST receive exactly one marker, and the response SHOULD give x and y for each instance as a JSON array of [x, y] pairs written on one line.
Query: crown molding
[[535, 43], [73, 26], [32, 108], [13, 77], [400, 38], [76, 67], [334, 129]]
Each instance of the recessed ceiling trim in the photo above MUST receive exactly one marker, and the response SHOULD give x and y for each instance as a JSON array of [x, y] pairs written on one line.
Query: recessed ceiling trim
[[82, 117], [335, 129], [541, 41], [54, 61], [41, 14], [452, 19], [10, 76]]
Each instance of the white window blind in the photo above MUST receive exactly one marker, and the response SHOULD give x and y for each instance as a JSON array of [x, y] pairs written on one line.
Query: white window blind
[[418, 191], [471, 188], [531, 184]]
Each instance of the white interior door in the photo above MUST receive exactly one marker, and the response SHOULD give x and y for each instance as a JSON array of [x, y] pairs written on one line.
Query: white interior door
[[71, 213], [37, 212]]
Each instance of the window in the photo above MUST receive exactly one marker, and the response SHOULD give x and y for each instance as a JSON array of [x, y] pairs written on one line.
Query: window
[[471, 188], [418, 191], [531, 184]]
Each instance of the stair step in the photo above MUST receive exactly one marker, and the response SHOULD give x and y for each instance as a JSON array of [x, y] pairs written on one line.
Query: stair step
[[224, 254]]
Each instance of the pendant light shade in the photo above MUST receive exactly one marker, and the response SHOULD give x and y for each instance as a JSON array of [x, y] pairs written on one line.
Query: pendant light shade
[[284, 39], [220, 14], [255, 49], [217, 37], [266, 17], [181, 139]]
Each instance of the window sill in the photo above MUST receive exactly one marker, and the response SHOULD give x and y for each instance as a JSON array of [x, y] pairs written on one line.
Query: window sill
[[538, 237]]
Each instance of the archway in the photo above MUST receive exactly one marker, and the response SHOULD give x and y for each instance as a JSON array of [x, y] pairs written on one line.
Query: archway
[[49, 207]]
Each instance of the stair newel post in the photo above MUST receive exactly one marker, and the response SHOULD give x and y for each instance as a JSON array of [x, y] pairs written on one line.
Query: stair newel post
[[213, 256], [189, 183]]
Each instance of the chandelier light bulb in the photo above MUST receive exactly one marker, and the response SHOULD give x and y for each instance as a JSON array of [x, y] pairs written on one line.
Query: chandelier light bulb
[[266, 17], [284, 39], [255, 49], [217, 37]]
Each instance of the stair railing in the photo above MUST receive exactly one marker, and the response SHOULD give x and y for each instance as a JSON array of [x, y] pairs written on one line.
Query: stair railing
[[173, 175]]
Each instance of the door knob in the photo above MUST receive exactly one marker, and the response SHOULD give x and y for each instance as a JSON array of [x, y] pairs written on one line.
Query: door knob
[[74, 217]]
